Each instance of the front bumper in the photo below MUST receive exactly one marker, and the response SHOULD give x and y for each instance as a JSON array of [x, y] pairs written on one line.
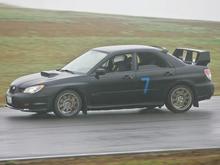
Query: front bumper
[[28, 102]]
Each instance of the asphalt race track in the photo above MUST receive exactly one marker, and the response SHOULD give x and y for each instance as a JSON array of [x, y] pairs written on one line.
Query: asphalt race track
[[29, 135]]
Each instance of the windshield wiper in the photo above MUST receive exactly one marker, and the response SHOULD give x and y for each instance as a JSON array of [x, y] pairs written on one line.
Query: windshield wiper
[[66, 70]]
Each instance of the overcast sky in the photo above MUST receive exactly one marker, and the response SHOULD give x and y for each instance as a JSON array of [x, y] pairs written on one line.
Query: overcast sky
[[186, 9]]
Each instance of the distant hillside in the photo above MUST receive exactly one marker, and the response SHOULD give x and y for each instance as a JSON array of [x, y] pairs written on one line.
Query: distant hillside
[[33, 40], [7, 5]]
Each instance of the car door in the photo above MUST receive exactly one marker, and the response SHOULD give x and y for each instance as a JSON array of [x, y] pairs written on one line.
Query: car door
[[117, 86], [153, 74]]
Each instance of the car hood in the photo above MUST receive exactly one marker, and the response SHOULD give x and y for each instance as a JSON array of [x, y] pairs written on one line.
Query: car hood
[[42, 78]]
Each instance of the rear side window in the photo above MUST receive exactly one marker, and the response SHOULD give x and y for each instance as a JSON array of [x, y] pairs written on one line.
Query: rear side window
[[147, 60]]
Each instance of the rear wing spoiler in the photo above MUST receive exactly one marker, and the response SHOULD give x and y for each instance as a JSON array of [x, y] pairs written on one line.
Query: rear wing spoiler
[[193, 56]]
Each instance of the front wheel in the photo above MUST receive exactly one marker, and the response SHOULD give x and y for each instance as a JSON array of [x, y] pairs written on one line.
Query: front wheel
[[180, 99], [67, 104]]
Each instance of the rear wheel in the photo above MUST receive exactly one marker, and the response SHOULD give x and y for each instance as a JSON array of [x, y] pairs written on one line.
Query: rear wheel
[[67, 104], [180, 99]]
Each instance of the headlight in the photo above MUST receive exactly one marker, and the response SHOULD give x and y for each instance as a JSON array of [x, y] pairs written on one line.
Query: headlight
[[33, 89]]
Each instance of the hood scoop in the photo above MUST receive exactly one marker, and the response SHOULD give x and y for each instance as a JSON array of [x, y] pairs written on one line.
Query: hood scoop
[[48, 74]]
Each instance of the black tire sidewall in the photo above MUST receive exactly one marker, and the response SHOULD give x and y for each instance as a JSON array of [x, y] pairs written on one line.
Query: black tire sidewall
[[61, 115], [168, 101]]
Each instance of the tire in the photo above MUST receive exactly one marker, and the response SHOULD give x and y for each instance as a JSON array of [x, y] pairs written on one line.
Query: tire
[[180, 99], [68, 103]]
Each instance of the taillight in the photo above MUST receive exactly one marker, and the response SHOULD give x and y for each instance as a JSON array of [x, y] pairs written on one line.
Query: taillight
[[208, 73]]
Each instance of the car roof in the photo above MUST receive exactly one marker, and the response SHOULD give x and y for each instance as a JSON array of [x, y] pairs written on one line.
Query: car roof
[[125, 48]]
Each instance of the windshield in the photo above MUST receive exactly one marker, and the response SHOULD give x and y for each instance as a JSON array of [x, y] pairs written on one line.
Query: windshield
[[85, 62]]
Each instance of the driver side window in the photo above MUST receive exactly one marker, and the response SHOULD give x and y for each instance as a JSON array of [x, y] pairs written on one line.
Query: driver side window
[[118, 63]]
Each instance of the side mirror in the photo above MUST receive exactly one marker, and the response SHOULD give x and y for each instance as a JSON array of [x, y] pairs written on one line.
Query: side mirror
[[100, 71]]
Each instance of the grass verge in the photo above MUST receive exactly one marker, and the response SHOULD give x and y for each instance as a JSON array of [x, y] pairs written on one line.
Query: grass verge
[[190, 157]]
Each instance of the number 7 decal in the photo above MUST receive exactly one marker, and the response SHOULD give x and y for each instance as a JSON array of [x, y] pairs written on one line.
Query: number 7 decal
[[146, 84]]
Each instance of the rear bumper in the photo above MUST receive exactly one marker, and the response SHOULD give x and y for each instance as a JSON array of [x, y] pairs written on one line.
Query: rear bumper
[[28, 103], [205, 91]]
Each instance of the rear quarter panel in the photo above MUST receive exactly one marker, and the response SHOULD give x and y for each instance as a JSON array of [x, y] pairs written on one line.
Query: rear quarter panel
[[193, 76]]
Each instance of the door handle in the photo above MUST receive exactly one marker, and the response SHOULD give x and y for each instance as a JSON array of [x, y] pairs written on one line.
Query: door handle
[[128, 77], [168, 73]]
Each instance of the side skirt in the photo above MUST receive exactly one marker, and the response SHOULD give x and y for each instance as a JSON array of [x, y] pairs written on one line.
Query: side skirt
[[110, 107]]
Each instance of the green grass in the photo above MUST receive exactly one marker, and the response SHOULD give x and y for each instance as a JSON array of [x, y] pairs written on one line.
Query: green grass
[[196, 157], [35, 40]]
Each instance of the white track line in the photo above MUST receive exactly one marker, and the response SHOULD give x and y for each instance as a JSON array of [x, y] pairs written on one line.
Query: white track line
[[105, 154]]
